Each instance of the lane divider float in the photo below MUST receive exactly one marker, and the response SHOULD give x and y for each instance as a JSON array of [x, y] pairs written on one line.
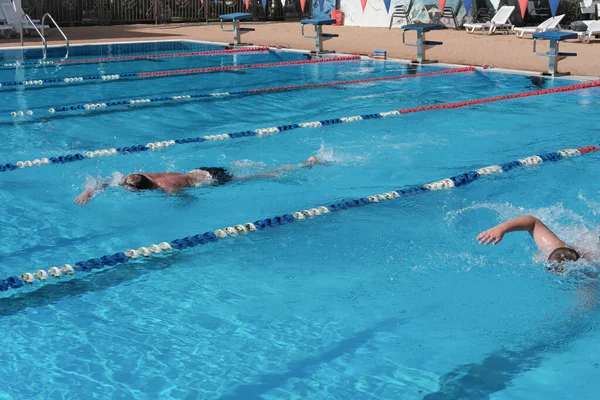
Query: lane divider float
[[175, 72], [97, 60], [282, 128], [194, 96], [41, 275]]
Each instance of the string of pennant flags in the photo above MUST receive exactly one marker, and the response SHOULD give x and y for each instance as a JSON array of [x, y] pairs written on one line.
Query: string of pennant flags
[[442, 3]]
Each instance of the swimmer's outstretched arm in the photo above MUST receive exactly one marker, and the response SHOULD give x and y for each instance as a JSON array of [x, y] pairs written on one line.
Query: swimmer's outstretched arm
[[89, 194], [276, 172], [544, 238]]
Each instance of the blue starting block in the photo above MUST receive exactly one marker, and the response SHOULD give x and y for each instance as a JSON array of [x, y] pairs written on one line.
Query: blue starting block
[[319, 37], [553, 54], [422, 45], [235, 19]]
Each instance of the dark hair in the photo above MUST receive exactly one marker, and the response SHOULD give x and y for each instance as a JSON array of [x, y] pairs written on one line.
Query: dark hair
[[563, 254], [139, 181]]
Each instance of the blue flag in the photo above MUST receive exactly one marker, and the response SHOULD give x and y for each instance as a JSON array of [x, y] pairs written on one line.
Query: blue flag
[[264, 3], [467, 4], [387, 5], [321, 5], [554, 6]]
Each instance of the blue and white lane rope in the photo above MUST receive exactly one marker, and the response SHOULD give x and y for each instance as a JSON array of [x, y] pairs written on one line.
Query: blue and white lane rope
[[160, 145], [144, 57], [42, 275], [112, 104], [175, 72]]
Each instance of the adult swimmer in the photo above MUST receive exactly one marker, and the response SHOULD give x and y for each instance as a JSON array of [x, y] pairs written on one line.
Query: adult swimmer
[[175, 182], [550, 245]]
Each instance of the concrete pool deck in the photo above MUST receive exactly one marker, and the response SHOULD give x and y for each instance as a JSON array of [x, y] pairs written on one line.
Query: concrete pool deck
[[503, 51]]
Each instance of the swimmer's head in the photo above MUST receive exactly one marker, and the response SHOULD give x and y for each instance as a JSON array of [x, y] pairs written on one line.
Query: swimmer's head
[[562, 255], [135, 182]]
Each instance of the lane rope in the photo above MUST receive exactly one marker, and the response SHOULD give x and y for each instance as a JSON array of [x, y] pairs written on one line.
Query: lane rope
[[42, 275], [160, 145], [175, 72], [97, 60], [216, 95]]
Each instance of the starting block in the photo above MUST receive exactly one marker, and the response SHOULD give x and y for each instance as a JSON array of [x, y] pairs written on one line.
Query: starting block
[[422, 44], [553, 54], [319, 37], [235, 18]]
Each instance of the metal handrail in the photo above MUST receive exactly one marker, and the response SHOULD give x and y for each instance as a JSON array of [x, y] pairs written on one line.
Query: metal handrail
[[36, 29], [57, 27]]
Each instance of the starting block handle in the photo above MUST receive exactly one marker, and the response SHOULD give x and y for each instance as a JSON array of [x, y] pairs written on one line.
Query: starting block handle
[[228, 30], [309, 37], [404, 39]]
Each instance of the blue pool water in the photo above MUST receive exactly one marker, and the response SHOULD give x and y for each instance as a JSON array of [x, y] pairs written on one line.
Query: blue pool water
[[391, 301]]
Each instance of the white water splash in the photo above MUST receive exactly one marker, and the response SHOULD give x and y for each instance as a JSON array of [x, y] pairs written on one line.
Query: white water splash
[[571, 227], [113, 180], [328, 155], [247, 164]]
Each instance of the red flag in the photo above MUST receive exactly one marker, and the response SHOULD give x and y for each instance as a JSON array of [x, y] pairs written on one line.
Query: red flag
[[302, 4], [247, 3], [442, 5], [523, 7], [363, 3]]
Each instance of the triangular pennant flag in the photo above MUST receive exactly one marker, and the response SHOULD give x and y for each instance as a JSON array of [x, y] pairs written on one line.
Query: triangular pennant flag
[[554, 6], [321, 5], [215, 1], [387, 5], [587, 3], [282, 3], [442, 4], [302, 4], [523, 7], [363, 3], [467, 4], [264, 3], [247, 3]]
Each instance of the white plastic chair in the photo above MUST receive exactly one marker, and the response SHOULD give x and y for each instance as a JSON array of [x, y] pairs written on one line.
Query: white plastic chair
[[550, 24], [500, 21], [592, 30], [9, 13]]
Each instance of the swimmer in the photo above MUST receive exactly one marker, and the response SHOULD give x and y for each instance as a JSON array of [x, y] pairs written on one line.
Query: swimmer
[[547, 242], [175, 182]]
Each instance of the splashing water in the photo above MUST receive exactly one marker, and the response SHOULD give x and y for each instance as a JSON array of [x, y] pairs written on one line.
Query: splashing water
[[568, 225], [113, 180]]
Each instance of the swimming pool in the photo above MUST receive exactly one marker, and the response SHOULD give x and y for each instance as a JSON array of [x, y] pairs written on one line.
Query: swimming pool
[[391, 301]]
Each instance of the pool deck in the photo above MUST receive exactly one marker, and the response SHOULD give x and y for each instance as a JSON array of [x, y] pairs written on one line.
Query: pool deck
[[503, 51]]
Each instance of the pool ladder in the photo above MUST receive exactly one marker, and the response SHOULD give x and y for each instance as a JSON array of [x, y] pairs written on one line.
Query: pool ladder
[[27, 18]]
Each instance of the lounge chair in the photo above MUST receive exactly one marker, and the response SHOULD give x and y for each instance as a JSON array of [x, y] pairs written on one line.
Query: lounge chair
[[500, 21], [592, 30], [588, 7], [8, 9], [550, 24], [5, 30], [402, 12]]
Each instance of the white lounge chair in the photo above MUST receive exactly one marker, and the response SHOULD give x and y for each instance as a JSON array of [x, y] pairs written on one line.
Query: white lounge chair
[[550, 24], [592, 30], [8, 9], [500, 21]]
